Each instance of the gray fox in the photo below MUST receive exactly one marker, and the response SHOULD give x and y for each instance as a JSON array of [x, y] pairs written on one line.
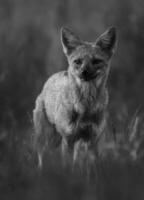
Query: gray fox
[[70, 110]]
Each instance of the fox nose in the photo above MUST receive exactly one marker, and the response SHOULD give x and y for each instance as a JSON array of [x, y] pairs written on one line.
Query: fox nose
[[84, 72], [85, 68]]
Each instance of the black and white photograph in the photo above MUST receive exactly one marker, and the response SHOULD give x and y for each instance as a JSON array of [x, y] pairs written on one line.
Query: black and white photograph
[[71, 100]]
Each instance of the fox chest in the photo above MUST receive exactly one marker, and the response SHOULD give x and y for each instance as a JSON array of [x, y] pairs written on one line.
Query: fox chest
[[72, 116], [85, 126], [70, 122]]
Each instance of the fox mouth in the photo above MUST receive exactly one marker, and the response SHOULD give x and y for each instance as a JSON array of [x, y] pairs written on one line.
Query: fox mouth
[[90, 76]]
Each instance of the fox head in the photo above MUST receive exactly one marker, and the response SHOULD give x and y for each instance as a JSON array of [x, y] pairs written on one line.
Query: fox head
[[89, 61]]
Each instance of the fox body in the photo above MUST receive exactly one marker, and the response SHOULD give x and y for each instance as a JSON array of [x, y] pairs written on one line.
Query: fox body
[[70, 110]]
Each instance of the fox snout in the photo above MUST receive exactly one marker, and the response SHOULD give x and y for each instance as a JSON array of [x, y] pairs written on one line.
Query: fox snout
[[88, 72], [88, 75]]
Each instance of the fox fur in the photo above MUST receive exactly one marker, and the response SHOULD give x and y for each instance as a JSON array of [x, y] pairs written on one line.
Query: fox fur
[[70, 110]]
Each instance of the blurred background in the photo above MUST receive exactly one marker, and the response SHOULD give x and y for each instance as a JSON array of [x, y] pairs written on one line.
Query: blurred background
[[30, 51]]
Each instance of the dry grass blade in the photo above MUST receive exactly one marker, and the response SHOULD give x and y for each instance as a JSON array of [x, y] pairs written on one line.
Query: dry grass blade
[[133, 128]]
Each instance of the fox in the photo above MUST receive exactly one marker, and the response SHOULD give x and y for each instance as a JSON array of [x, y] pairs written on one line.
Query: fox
[[70, 111]]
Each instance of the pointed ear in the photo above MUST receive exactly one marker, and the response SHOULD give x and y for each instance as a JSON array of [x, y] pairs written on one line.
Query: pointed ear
[[69, 41], [107, 41]]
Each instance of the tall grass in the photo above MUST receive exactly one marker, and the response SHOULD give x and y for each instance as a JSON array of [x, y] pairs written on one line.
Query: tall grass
[[117, 173]]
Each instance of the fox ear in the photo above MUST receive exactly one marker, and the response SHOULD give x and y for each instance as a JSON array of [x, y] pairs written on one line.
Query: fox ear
[[107, 41], [69, 41]]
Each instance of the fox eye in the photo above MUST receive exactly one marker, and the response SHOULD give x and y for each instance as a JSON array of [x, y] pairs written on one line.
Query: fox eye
[[78, 61], [96, 61]]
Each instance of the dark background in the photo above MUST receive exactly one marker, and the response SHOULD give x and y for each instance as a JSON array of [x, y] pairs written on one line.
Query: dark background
[[30, 51]]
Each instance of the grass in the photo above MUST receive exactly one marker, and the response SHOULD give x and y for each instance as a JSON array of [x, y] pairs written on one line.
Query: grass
[[118, 172]]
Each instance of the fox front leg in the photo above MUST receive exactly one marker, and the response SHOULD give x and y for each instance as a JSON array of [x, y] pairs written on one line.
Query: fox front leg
[[64, 151]]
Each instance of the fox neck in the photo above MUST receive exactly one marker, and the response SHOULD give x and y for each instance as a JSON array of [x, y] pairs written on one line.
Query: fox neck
[[85, 93]]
